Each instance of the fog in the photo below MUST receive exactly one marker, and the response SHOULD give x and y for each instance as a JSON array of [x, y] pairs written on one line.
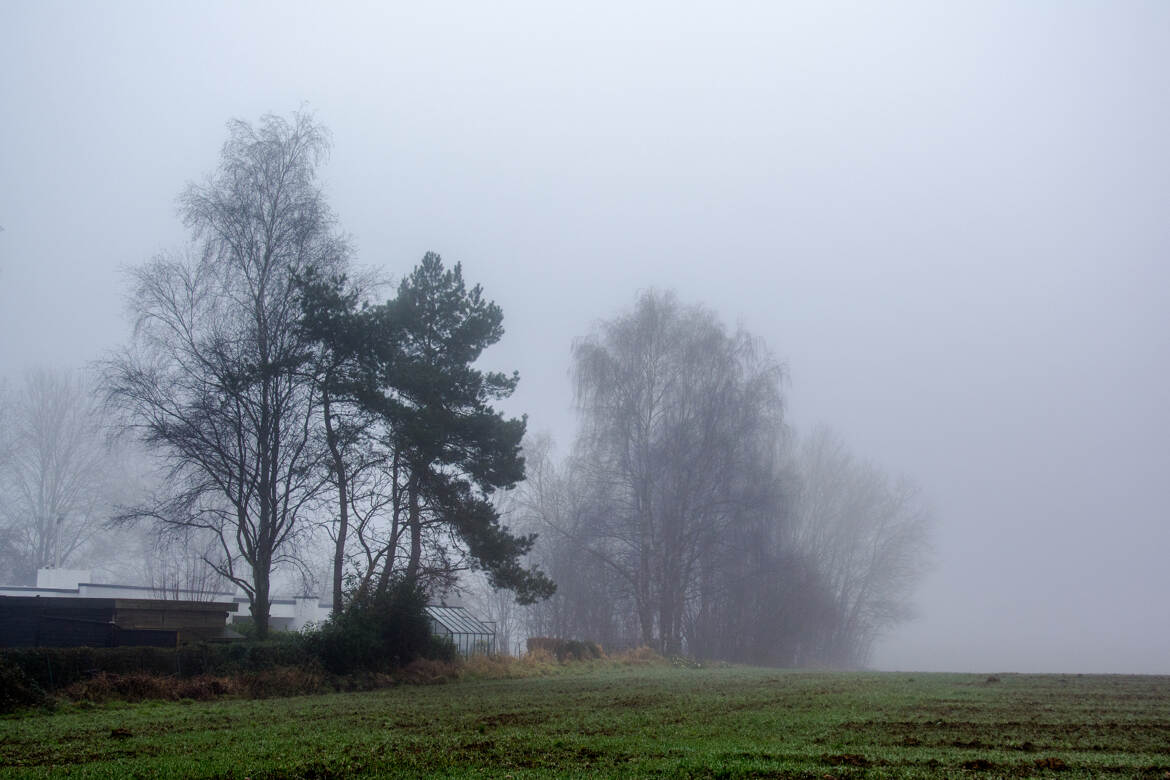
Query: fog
[[948, 220]]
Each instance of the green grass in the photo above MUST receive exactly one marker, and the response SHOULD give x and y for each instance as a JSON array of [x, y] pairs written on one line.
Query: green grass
[[627, 721]]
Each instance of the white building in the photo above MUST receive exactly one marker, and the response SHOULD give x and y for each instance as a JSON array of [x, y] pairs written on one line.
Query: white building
[[469, 635], [286, 614]]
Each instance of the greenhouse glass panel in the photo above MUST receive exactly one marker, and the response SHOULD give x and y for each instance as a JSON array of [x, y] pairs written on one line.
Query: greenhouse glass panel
[[469, 635]]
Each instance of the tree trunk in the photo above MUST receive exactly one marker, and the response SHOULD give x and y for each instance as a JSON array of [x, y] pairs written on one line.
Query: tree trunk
[[261, 600], [669, 609], [342, 505], [414, 520]]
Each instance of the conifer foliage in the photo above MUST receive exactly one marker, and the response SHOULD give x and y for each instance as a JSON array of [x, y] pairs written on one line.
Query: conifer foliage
[[410, 374]]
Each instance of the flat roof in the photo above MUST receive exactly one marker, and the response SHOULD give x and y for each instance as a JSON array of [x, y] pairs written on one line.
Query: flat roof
[[81, 602]]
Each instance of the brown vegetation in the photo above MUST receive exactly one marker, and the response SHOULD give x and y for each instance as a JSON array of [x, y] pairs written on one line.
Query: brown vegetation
[[306, 679]]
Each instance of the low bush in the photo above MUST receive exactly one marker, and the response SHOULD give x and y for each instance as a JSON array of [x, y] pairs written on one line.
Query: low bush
[[141, 686], [538, 655], [538, 663], [243, 657], [565, 649], [378, 632], [17, 689], [429, 671], [55, 668], [639, 656]]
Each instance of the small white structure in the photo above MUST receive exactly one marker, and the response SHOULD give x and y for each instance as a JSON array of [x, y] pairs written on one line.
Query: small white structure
[[62, 579]]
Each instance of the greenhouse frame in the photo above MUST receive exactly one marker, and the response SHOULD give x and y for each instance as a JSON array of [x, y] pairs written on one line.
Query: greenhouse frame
[[469, 635]]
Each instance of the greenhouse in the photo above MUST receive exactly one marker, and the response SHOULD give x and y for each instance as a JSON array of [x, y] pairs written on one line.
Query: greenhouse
[[469, 635]]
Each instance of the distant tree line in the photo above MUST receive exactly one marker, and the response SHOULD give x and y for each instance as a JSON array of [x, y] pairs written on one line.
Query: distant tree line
[[59, 477], [63, 476], [285, 407], [687, 518]]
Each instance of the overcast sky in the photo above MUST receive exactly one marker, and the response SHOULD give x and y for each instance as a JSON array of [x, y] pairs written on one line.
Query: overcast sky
[[948, 219]]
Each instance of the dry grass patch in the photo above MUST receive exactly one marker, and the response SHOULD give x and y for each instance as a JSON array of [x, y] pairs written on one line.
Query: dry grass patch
[[141, 686]]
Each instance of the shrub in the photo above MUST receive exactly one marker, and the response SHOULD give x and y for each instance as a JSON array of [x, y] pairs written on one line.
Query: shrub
[[377, 632], [140, 686], [441, 648], [429, 671], [52, 668], [639, 656], [565, 649], [243, 657], [17, 689], [539, 656], [501, 667]]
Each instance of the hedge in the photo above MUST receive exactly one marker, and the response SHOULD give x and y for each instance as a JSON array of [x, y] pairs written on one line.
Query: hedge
[[51, 668]]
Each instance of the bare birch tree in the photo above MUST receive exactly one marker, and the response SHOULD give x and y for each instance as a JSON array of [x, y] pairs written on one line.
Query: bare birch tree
[[685, 521], [675, 413], [867, 535], [54, 480], [212, 379]]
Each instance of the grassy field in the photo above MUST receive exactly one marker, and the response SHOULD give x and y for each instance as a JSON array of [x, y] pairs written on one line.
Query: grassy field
[[627, 721]]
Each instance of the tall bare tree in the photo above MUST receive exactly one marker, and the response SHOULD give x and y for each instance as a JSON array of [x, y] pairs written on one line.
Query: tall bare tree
[[676, 414], [561, 505], [685, 520], [342, 331], [54, 478], [868, 536], [213, 377], [11, 567], [175, 564]]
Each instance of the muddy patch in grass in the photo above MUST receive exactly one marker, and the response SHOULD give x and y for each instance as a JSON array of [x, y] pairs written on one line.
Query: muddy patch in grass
[[638, 701], [978, 765], [1052, 762], [504, 719], [848, 759]]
